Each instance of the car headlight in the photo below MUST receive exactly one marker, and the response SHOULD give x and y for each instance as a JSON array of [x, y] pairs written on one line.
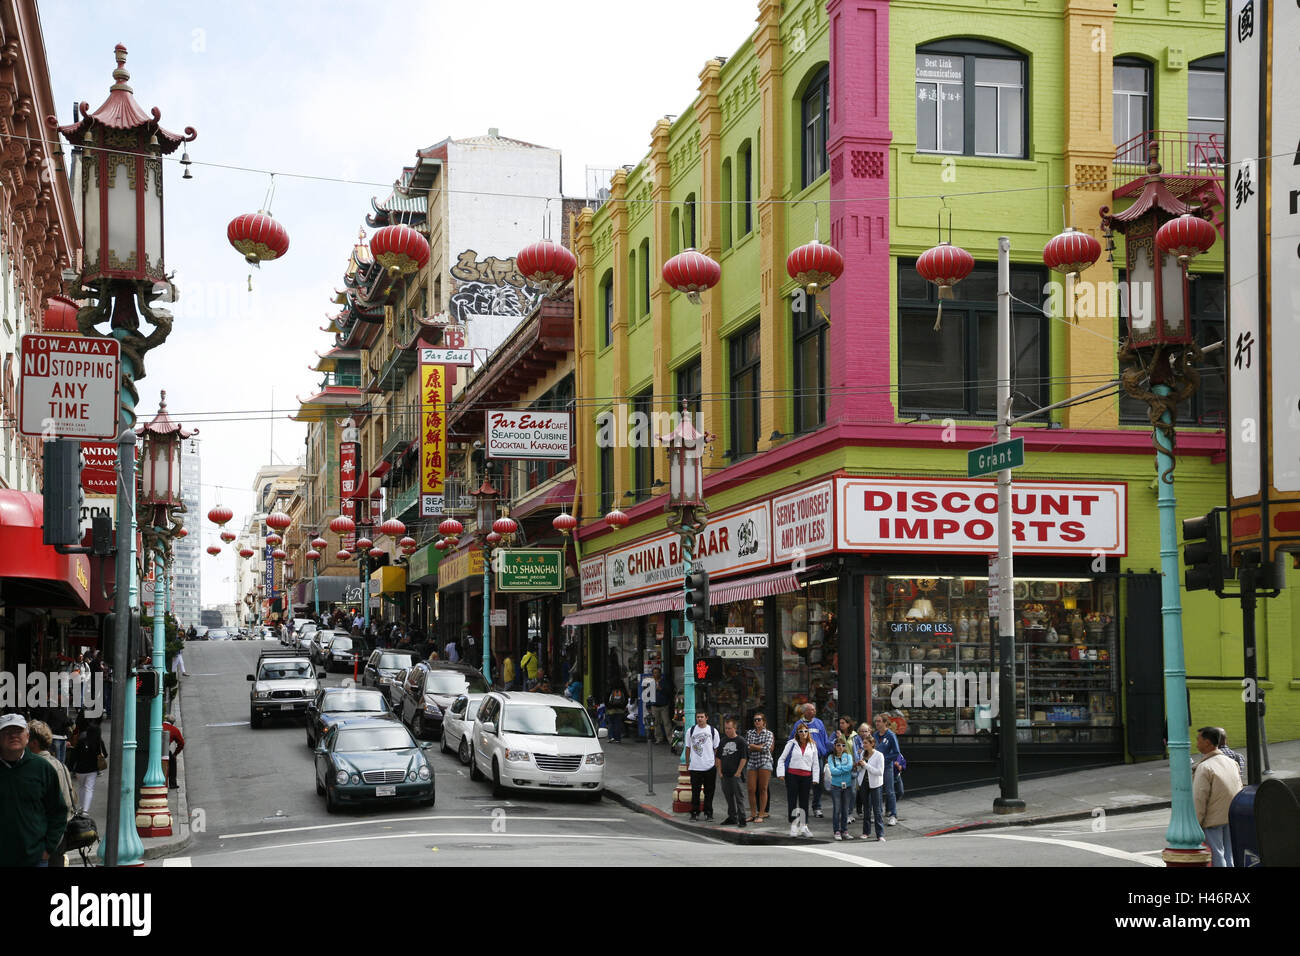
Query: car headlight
[[596, 760], [354, 779], [518, 756], [424, 773], [261, 694], [341, 777], [412, 776], [432, 709], [383, 681]]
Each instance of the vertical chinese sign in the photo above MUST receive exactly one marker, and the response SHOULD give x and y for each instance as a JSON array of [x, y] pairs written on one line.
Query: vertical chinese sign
[[349, 476], [433, 435]]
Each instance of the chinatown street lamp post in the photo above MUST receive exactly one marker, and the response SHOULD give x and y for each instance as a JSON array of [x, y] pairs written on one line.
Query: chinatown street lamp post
[[117, 155], [485, 499], [160, 504]]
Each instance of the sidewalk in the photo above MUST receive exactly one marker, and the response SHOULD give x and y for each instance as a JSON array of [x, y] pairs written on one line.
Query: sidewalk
[[154, 847], [1078, 795]]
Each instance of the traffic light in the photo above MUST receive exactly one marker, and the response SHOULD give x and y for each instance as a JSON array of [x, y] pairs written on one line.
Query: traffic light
[[697, 596], [708, 670], [148, 683], [101, 540], [63, 497], [1203, 553]]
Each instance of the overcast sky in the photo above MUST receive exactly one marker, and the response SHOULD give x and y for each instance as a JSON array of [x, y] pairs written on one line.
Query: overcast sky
[[347, 91]]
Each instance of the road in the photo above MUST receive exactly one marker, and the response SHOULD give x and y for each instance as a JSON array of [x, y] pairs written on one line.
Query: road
[[253, 793]]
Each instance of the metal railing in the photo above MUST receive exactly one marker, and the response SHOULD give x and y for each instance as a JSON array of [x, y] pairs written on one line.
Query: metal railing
[[1181, 153]]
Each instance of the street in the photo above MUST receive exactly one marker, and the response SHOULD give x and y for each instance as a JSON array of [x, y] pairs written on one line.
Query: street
[[252, 803]]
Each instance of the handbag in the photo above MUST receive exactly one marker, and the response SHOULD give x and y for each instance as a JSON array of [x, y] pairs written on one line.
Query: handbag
[[81, 831], [101, 759]]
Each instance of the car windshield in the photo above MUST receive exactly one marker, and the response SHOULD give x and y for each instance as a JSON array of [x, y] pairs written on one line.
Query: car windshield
[[363, 739], [353, 701], [471, 711], [547, 721], [341, 644], [394, 661], [453, 683], [286, 670]]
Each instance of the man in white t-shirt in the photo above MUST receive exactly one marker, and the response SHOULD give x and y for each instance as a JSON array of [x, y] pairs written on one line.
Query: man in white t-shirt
[[701, 747]]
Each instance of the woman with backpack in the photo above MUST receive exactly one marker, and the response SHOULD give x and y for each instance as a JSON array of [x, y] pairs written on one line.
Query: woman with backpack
[[800, 765], [616, 711]]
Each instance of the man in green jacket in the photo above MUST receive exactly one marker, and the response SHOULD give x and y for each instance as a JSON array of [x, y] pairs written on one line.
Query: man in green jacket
[[33, 815]]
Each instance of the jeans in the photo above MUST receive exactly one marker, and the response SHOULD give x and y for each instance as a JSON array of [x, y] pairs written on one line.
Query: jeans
[[872, 807], [86, 789], [891, 802], [733, 788], [842, 804], [1220, 844], [614, 721], [704, 780], [817, 790], [60, 748], [797, 788]]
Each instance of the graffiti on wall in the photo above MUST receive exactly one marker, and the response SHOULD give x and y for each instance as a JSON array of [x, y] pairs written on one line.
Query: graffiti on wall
[[491, 286]]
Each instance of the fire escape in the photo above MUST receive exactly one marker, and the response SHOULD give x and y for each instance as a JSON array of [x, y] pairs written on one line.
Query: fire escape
[[1192, 162]]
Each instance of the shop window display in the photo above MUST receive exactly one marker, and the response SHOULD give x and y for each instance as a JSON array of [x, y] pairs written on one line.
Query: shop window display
[[935, 666], [741, 693], [808, 632]]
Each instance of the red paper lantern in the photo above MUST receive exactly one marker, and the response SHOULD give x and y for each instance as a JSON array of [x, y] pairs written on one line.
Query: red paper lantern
[[319, 543], [692, 272], [258, 238], [392, 527], [399, 249], [815, 266], [312, 555], [343, 554], [60, 315], [214, 549], [945, 265], [273, 539], [440, 544], [505, 525], [226, 536], [1071, 252], [564, 522], [343, 525], [278, 554], [220, 515], [246, 552], [364, 544], [546, 265], [1185, 237], [407, 543], [278, 520], [617, 519], [453, 541], [492, 538], [377, 553], [450, 527]]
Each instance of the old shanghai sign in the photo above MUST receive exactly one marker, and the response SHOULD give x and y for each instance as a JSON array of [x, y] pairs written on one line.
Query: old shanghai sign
[[69, 387], [530, 570], [512, 434]]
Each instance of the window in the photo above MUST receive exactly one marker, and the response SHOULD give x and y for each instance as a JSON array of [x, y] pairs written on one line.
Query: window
[[745, 385], [970, 99], [606, 480], [690, 385], [809, 368], [558, 398], [607, 303], [643, 470], [632, 311], [1209, 403], [688, 222], [1205, 101], [745, 189], [726, 203], [816, 123], [1132, 95], [954, 371], [675, 233], [645, 277]]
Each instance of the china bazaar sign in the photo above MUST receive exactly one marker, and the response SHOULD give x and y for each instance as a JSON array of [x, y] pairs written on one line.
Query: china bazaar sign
[[961, 517], [513, 434]]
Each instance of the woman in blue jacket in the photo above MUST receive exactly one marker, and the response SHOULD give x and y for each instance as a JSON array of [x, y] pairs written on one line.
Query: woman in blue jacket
[[840, 783], [887, 744]]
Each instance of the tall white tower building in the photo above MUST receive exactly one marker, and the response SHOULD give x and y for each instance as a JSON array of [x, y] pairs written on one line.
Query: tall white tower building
[[187, 577]]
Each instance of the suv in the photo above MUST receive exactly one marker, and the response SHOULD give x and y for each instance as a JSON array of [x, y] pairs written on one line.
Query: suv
[[384, 665], [345, 652], [536, 741], [285, 684], [430, 688]]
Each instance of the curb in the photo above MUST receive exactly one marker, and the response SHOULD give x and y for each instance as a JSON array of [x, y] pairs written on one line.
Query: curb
[[1015, 820], [737, 835]]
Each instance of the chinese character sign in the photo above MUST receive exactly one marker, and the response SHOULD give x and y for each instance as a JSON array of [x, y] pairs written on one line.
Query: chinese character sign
[[433, 428], [349, 468]]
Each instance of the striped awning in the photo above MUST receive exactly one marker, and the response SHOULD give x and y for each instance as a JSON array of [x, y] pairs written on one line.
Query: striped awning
[[744, 589]]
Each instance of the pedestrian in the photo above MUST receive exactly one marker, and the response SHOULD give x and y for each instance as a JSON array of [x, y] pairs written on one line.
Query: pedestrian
[[816, 733], [508, 672], [41, 738], [887, 744], [844, 731], [33, 814], [1238, 758], [84, 760], [530, 663], [800, 765], [543, 685], [452, 651], [1215, 781], [732, 756], [574, 689], [839, 771], [178, 665], [173, 737], [60, 725], [858, 746], [760, 743], [661, 708], [469, 648], [870, 766], [702, 743], [616, 711]]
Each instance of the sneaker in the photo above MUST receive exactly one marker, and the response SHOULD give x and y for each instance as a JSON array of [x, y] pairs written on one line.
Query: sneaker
[[893, 822], [848, 835], [742, 823], [729, 822], [794, 828], [708, 817], [852, 818], [838, 837], [880, 839], [817, 813], [694, 817], [805, 832]]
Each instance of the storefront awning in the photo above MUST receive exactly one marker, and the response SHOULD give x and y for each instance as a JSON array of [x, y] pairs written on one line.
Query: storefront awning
[[32, 573], [744, 589], [388, 580]]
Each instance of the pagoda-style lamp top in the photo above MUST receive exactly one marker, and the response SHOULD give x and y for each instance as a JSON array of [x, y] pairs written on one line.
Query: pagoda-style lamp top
[[160, 465], [485, 499], [686, 446]]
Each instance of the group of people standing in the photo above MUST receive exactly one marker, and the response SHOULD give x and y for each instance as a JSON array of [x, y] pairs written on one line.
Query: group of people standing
[[862, 770]]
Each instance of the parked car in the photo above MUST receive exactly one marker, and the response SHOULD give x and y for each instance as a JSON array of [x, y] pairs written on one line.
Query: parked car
[[536, 742], [332, 704], [304, 642], [284, 685], [384, 665], [320, 642], [458, 725], [394, 690], [366, 761], [218, 634], [345, 652], [430, 688]]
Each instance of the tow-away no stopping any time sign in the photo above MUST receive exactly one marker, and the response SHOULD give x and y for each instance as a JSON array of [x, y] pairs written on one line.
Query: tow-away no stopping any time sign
[[69, 387]]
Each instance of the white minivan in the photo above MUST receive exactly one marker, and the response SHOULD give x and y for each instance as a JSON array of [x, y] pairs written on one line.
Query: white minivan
[[532, 741]]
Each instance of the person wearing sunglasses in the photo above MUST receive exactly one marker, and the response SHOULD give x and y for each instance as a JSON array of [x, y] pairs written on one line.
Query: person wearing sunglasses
[[761, 742], [800, 765]]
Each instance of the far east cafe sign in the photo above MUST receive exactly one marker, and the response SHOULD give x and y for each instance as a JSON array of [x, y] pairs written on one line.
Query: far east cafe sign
[[870, 515]]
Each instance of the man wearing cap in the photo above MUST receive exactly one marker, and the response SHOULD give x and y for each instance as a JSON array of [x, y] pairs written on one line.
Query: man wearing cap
[[175, 744], [33, 814]]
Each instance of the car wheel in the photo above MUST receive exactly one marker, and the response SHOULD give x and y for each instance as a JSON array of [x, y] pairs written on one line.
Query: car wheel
[[428, 802], [474, 772], [442, 743], [331, 805], [595, 797], [498, 791], [253, 719], [464, 751], [418, 726]]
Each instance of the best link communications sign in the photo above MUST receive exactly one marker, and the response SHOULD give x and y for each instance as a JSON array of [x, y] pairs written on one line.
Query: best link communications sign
[[69, 387]]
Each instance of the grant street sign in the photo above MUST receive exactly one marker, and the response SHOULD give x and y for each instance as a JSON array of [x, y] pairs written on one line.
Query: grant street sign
[[991, 458], [530, 570]]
